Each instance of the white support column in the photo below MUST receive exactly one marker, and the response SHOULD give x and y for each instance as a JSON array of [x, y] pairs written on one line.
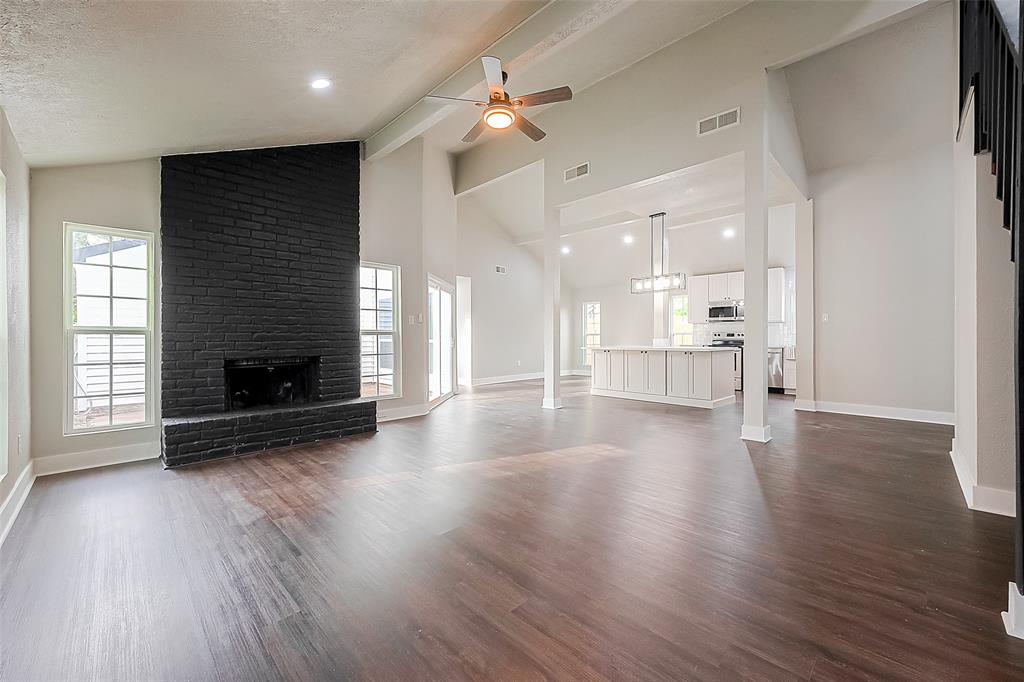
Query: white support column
[[552, 309], [755, 280], [805, 399], [659, 266]]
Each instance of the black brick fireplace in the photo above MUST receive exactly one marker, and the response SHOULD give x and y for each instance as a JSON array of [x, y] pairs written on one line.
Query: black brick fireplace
[[259, 300]]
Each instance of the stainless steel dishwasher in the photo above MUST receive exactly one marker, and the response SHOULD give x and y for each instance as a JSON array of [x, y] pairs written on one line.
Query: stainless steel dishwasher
[[775, 368]]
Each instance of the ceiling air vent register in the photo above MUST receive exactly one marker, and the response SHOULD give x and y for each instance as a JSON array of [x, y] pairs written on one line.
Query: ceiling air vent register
[[577, 172], [718, 121]]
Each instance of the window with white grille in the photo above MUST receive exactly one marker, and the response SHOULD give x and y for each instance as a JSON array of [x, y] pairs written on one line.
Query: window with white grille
[[379, 317], [108, 328], [591, 331]]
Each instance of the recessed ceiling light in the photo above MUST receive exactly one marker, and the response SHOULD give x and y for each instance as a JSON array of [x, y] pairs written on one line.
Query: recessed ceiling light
[[627, 239], [320, 84], [565, 250], [728, 233]]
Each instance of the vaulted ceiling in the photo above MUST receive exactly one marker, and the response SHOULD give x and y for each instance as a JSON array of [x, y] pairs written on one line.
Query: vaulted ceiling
[[90, 82], [93, 82]]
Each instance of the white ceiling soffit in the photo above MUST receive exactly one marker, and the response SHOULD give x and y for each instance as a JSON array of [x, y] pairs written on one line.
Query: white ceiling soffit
[[94, 82], [887, 92], [575, 43]]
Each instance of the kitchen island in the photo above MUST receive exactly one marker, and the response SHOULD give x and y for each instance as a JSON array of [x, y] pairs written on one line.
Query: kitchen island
[[693, 376]]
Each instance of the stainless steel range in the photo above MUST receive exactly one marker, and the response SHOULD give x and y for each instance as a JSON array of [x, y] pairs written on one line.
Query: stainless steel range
[[735, 340]]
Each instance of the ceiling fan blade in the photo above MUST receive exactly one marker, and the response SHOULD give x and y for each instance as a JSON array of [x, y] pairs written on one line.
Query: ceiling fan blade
[[475, 131], [492, 71], [441, 99], [531, 131], [562, 94]]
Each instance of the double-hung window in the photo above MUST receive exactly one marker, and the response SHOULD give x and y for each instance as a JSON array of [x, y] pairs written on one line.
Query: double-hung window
[[108, 328], [591, 331], [379, 323], [680, 326]]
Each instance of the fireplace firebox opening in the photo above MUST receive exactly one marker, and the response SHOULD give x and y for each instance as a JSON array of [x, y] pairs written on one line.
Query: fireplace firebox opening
[[253, 383]]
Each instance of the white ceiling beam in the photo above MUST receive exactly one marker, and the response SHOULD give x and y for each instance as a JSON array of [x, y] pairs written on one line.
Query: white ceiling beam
[[552, 26]]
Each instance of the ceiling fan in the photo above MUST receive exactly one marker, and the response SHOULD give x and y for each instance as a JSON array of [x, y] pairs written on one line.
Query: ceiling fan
[[502, 110]]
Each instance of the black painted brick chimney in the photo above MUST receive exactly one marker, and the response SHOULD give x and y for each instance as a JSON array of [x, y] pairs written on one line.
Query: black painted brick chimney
[[260, 259]]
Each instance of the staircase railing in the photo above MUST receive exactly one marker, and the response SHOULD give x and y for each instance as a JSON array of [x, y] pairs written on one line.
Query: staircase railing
[[991, 64]]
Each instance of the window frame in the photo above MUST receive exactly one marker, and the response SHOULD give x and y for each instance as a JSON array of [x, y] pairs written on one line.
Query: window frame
[[671, 314], [69, 330], [587, 347], [396, 333]]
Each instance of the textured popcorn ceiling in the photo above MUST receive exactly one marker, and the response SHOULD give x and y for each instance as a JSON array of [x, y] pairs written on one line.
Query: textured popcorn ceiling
[[94, 82]]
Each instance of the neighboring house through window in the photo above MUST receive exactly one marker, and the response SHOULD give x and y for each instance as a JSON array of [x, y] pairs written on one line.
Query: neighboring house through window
[[108, 328], [379, 323], [591, 331]]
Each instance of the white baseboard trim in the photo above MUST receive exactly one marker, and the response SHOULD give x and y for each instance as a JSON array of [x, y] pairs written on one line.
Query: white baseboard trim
[[551, 403], [805, 405], [983, 498], [665, 399], [1013, 616], [395, 413], [526, 376], [12, 505], [89, 459], [758, 434], [901, 413], [507, 378]]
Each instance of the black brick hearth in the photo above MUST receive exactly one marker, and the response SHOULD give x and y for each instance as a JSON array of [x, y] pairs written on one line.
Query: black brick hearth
[[260, 262]]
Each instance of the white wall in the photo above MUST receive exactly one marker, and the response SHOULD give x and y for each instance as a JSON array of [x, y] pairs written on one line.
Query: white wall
[[391, 231], [508, 324], [983, 448], [124, 195], [407, 217], [877, 117], [883, 258], [16, 216], [783, 136]]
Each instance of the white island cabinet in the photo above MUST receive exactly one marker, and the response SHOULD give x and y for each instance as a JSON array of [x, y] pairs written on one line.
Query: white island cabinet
[[694, 376]]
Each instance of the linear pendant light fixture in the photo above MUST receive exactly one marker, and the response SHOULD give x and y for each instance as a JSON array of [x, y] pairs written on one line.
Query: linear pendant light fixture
[[658, 280]]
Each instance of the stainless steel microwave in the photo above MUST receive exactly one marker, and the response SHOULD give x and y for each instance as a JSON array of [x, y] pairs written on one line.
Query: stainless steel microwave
[[725, 311]]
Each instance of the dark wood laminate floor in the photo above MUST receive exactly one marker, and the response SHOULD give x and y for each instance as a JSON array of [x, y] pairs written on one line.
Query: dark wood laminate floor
[[493, 540]]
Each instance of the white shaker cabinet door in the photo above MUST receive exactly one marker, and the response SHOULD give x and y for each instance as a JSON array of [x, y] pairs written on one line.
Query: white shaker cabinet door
[[636, 372], [616, 370], [599, 369], [656, 372], [679, 374]]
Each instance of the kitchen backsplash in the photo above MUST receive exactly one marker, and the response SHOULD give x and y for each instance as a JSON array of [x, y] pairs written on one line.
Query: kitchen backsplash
[[777, 333]]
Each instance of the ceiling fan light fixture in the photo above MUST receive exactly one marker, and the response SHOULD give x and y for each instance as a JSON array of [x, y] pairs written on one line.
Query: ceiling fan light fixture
[[499, 116]]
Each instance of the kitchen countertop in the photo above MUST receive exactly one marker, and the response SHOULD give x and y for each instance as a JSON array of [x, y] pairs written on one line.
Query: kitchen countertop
[[731, 349]]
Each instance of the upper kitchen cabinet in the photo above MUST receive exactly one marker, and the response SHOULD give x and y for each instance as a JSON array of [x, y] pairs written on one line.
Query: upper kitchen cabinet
[[718, 287], [697, 290], [735, 281], [725, 286]]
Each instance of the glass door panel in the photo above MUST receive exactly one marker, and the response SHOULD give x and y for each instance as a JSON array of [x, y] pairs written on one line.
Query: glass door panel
[[440, 340]]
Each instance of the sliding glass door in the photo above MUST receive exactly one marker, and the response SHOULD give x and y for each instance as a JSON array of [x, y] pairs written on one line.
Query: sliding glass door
[[440, 339]]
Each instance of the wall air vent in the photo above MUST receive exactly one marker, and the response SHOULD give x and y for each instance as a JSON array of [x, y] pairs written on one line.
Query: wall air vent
[[577, 172], [718, 121], [500, 269]]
